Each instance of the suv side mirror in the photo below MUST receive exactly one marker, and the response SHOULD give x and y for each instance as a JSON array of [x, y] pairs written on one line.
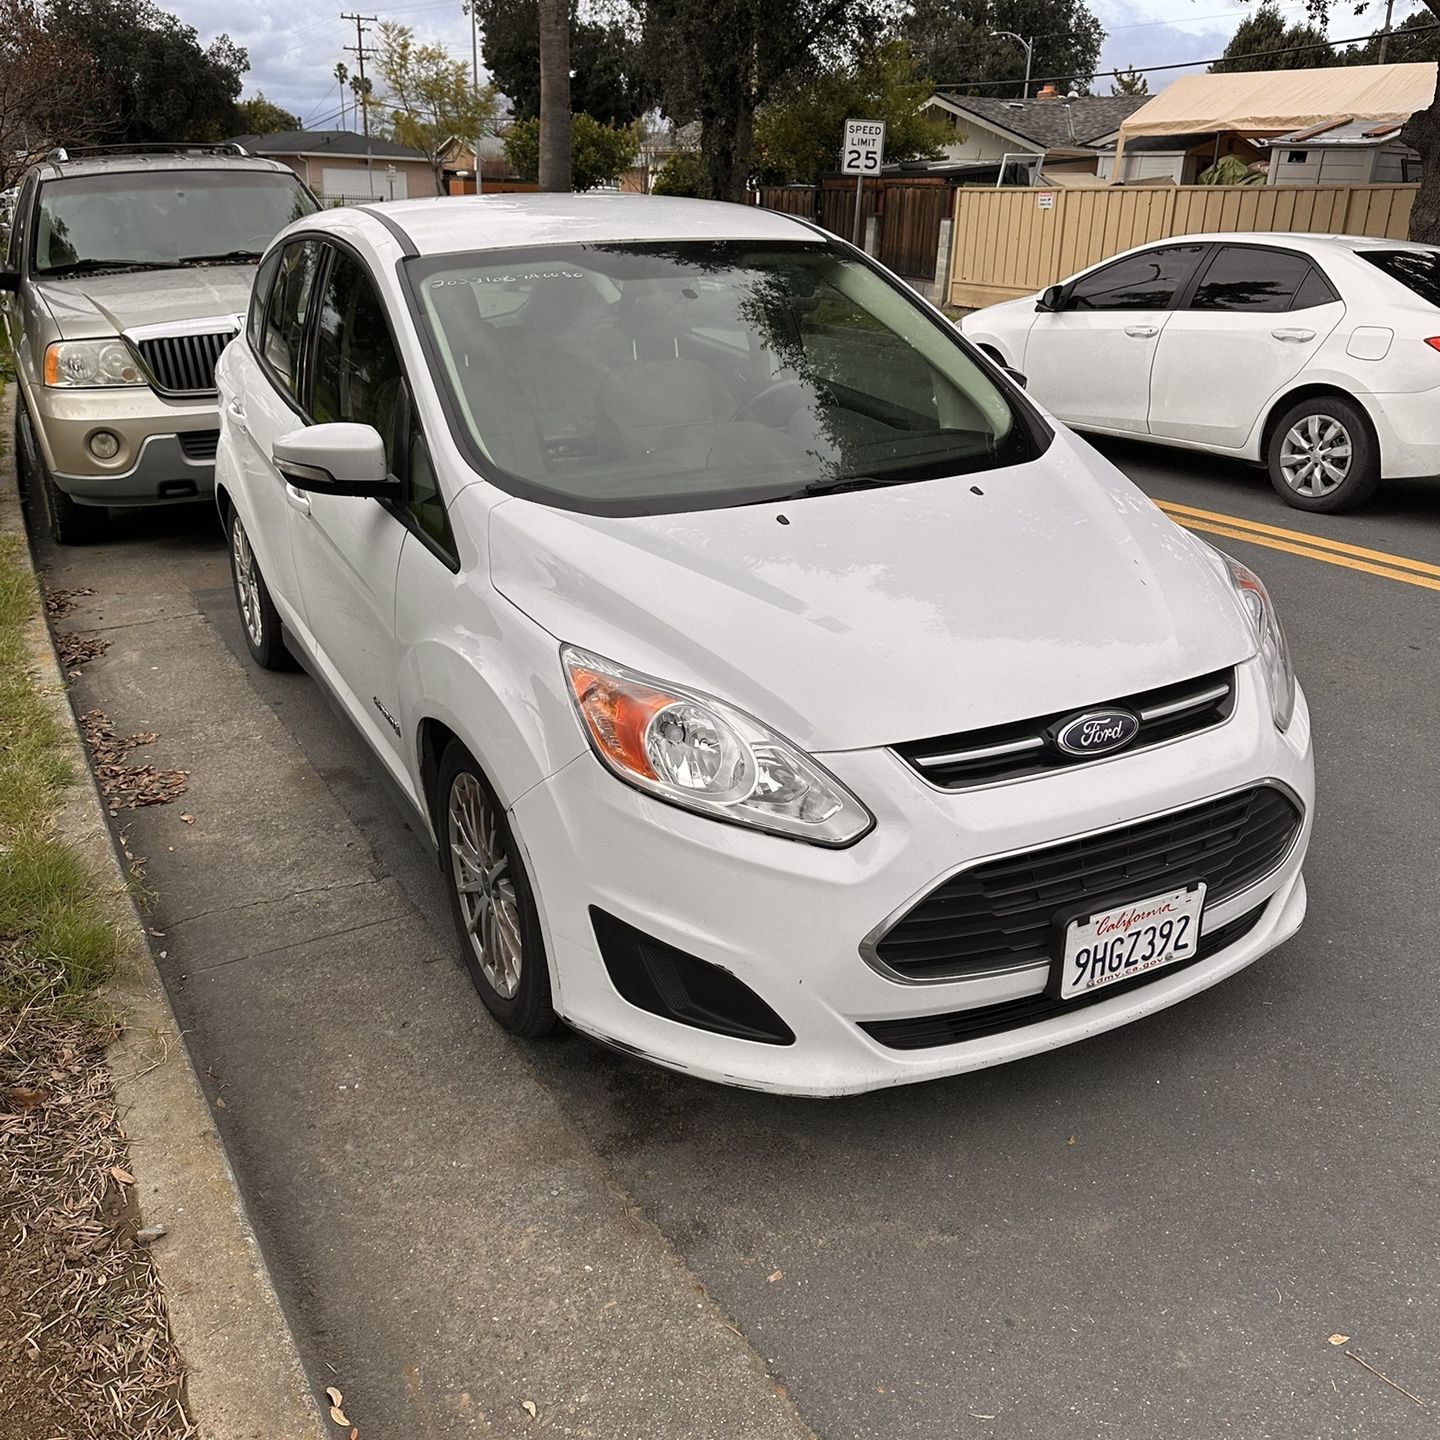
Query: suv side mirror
[[1051, 298], [335, 459]]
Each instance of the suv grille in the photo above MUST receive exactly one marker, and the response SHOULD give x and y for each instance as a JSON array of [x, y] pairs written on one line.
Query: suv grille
[[1024, 747], [919, 1032], [998, 915], [184, 364]]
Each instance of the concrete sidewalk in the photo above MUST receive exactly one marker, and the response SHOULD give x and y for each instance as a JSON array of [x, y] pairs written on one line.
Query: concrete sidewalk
[[454, 1255]]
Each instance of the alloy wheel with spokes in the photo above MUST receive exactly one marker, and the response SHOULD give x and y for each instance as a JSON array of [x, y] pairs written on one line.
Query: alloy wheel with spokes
[[247, 588], [1315, 455], [484, 886]]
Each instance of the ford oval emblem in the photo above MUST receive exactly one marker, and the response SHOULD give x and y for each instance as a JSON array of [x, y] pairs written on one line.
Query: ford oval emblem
[[1096, 732]]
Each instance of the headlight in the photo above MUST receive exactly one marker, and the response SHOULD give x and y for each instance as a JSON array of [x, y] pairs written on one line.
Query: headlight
[[700, 753], [90, 364], [1269, 636]]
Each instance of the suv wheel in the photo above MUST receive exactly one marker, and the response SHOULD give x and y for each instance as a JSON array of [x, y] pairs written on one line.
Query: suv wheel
[[259, 619], [68, 523], [1323, 455], [490, 899]]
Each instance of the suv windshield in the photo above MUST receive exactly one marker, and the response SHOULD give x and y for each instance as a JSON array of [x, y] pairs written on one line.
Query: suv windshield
[[162, 218], [1417, 270], [643, 378]]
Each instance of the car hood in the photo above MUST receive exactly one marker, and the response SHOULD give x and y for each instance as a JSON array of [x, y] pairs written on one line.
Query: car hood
[[92, 305], [879, 616]]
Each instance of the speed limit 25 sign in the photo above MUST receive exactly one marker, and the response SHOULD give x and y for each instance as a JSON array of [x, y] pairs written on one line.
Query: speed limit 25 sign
[[864, 149]]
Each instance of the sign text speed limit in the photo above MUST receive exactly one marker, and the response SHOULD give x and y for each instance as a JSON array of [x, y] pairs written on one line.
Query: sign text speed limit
[[864, 149]]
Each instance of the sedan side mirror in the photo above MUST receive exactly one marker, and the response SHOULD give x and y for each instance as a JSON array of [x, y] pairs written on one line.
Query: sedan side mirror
[[335, 459], [1051, 298]]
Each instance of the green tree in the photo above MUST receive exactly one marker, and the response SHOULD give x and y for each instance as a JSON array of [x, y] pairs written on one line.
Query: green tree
[[154, 81], [46, 89], [719, 61], [1129, 82], [257, 116], [607, 79], [958, 44], [597, 152], [429, 96], [1415, 40], [1258, 36], [681, 174], [798, 132]]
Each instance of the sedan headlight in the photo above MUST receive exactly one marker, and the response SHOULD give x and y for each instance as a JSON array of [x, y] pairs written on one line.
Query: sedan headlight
[[1269, 636], [700, 753], [90, 364]]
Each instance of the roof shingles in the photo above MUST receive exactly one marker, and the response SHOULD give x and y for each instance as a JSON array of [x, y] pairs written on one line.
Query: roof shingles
[[326, 142], [1047, 122]]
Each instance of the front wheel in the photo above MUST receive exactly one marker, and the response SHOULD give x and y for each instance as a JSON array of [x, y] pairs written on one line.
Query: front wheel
[[259, 619], [490, 899], [1323, 455], [67, 522]]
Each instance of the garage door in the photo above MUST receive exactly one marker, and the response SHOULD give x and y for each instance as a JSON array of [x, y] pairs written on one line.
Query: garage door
[[357, 186]]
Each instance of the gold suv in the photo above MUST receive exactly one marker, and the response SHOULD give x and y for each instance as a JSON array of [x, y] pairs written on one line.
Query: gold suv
[[124, 276]]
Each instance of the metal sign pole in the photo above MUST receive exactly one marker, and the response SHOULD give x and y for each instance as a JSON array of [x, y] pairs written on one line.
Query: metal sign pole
[[859, 191]]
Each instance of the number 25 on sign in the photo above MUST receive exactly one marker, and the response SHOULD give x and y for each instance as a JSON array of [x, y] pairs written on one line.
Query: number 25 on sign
[[862, 154]]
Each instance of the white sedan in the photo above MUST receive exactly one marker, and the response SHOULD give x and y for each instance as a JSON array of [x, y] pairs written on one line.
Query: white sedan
[[788, 701], [1317, 356]]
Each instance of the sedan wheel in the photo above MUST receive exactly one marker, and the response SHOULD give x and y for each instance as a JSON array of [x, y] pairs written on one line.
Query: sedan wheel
[[490, 899], [1323, 455]]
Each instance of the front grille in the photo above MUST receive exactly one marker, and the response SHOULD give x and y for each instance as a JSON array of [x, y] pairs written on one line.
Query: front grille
[[920, 1032], [1025, 747], [184, 364], [999, 914], [199, 444]]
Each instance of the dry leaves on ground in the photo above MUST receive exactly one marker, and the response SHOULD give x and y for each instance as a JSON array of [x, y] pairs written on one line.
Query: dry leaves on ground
[[59, 603], [76, 650], [125, 786]]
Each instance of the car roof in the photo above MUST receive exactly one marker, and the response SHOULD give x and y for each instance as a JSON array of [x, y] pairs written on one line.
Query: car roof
[[1293, 240], [504, 222], [55, 168]]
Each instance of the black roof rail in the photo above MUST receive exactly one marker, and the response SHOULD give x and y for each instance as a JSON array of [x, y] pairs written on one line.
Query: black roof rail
[[62, 153]]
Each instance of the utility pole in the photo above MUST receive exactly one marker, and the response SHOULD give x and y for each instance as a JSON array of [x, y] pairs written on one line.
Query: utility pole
[[359, 50], [475, 83], [1385, 33]]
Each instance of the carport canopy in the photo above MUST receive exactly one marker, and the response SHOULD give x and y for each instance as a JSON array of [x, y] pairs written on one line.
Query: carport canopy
[[1256, 103]]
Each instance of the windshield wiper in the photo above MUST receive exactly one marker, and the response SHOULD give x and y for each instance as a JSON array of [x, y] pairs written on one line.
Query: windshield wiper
[[833, 483], [79, 267], [236, 255]]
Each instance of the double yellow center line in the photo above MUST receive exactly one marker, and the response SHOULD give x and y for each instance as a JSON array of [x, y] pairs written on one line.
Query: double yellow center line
[[1311, 547]]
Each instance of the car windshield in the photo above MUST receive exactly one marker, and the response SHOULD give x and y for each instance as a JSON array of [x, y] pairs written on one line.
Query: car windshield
[[1417, 270], [162, 218], [643, 378]]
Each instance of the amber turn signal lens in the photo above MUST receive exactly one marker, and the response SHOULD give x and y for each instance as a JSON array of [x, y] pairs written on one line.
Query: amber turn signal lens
[[617, 713]]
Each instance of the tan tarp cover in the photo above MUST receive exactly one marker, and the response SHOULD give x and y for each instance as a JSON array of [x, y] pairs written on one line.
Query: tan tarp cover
[[1272, 102]]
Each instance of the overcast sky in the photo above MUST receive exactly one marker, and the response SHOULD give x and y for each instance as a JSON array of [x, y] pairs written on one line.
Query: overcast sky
[[293, 48]]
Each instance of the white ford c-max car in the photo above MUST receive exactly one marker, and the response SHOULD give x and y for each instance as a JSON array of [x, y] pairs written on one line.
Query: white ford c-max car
[[789, 701]]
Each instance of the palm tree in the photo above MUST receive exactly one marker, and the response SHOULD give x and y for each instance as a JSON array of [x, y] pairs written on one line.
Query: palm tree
[[554, 94], [342, 74]]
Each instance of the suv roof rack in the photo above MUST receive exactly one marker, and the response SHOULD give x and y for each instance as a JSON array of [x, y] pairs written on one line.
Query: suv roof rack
[[62, 153]]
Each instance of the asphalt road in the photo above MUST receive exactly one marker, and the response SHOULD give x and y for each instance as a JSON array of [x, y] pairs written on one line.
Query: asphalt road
[[1153, 1234]]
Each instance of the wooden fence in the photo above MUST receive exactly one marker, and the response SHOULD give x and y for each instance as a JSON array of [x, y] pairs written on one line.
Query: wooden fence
[[1010, 242]]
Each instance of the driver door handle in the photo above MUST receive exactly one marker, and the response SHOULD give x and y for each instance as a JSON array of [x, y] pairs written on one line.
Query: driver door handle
[[297, 500], [1295, 337], [236, 411], [1141, 332]]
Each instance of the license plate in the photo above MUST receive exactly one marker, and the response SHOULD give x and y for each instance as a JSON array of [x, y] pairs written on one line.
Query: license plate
[[1108, 946]]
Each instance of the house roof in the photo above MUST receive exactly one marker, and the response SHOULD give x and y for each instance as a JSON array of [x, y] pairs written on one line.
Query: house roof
[[327, 142], [1045, 123], [1347, 132], [1270, 102]]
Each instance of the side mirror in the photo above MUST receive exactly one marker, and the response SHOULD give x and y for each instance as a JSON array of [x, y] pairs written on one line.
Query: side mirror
[[335, 459], [10, 280], [1052, 297], [1015, 376]]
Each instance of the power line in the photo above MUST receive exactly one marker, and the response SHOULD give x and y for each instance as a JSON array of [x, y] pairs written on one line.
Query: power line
[[1180, 64], [358, 50]]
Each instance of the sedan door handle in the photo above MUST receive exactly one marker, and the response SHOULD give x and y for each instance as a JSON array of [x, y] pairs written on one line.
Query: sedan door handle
[[236, 411], [1295, 337], [1141, 332], [297, 499]]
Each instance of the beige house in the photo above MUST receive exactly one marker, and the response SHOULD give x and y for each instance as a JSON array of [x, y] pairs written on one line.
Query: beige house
[[344, 168]]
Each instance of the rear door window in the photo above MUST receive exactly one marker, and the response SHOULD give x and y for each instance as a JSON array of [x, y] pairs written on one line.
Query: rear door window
[[1246, 277], [1147, 281], [1417, 270]]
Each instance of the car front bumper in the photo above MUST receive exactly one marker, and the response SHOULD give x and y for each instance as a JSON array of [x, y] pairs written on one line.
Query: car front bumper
[[165, 452], [788, 920]]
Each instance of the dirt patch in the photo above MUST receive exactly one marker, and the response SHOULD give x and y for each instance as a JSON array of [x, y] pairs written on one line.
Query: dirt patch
[[126, 786], [87, 1353]]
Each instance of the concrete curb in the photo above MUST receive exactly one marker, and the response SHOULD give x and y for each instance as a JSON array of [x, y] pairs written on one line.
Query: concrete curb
[[244, 1380]]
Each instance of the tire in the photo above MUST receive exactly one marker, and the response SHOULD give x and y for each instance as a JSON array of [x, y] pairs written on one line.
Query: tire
[[496, 922], [67, 522], [259, 620], [1323, 455]]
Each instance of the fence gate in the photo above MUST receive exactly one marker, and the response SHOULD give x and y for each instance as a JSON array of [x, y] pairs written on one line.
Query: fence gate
[[910, 216]]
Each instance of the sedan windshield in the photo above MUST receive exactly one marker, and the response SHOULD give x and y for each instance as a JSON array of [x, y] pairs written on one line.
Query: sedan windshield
[[642, 378], [163, 218]]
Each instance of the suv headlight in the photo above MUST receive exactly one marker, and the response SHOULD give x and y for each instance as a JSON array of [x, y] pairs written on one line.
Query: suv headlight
[[90, 364], [700, 753], [1269, 636]]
